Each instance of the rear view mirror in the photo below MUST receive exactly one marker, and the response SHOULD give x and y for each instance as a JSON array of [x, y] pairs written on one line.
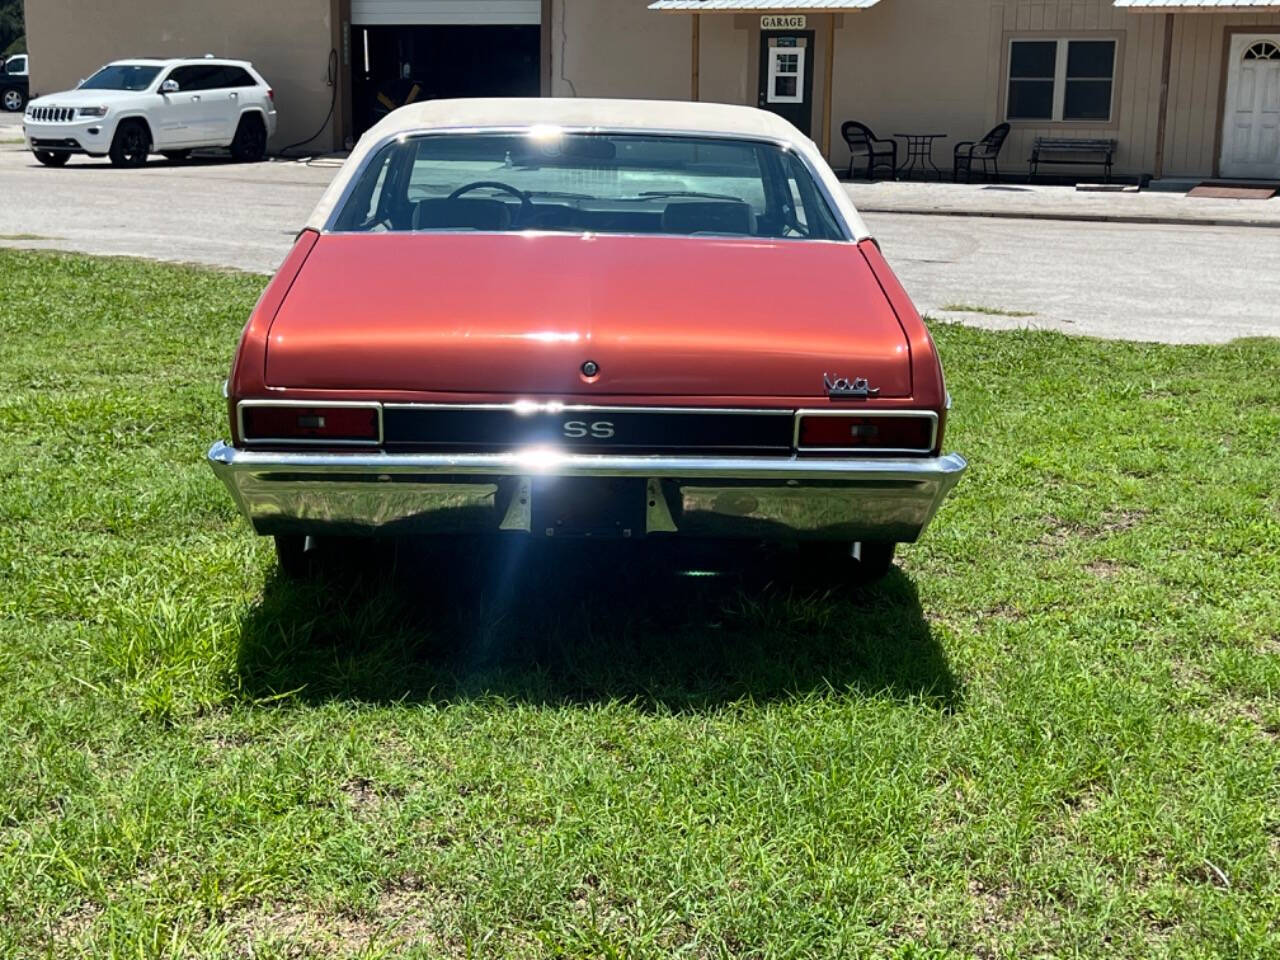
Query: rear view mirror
[[169, 86]]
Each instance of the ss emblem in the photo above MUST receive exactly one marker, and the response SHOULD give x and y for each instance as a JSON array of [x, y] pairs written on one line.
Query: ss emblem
[[578, 429]]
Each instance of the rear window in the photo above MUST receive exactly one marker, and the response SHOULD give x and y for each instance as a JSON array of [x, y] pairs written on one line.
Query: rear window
[[121, 76], [588, 182], [236, 77]]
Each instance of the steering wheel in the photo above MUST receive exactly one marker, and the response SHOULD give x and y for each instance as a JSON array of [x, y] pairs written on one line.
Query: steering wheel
[[526, 204]]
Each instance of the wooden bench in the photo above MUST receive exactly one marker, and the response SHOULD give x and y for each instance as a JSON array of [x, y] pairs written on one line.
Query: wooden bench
[[1050, 149]]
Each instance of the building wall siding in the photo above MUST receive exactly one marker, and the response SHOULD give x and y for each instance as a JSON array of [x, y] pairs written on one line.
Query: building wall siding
[[620, 48], [724, 60], [1196, 91], [1136, 96], [70, 39], [914, 66]]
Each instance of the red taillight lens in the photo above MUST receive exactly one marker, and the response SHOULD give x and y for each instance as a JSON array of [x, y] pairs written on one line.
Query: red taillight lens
[[343, 424], [867, 433], [271, 95]]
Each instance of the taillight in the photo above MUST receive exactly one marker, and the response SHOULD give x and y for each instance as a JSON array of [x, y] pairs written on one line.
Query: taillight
[[271, 95], [301, 423], [906, 434]]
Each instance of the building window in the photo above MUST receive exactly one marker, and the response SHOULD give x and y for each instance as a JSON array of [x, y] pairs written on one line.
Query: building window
[[1263, 50], [1055, 80]]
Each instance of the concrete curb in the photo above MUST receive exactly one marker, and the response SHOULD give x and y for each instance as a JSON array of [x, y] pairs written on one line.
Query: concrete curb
[[1076, 217]]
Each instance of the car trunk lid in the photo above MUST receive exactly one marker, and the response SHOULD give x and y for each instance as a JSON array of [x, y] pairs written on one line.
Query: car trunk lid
[[521, 314]]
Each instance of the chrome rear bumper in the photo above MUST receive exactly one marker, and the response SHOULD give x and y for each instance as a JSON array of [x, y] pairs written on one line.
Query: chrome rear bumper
[[756, 498]]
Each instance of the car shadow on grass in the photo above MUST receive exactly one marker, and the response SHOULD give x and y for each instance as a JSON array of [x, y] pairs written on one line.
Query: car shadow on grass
[[675, 626]]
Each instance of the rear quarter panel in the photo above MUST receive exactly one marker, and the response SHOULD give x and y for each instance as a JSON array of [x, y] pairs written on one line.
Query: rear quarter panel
[[928, 387], [248, 368]]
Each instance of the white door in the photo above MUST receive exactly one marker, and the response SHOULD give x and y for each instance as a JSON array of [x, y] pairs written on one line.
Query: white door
[[1251, 120]]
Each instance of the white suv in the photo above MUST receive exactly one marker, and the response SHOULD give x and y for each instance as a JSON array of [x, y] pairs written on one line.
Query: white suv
[[131, 108]]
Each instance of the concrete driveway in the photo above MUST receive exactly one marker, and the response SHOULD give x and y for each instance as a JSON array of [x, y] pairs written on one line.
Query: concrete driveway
[[1182, 284]]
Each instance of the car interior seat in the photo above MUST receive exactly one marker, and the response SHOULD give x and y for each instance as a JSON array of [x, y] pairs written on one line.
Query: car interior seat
[[475, 213], [733, 217]]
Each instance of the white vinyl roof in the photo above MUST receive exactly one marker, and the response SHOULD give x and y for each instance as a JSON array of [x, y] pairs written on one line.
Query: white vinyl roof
[[1192, 6], [764, 6], [666, 116]]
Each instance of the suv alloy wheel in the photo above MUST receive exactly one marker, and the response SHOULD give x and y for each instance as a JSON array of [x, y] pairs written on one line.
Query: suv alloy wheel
[[131, 144], [250, 143]]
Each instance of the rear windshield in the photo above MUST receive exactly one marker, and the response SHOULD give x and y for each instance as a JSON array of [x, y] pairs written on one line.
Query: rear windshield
[[121, 76], [588, 182]]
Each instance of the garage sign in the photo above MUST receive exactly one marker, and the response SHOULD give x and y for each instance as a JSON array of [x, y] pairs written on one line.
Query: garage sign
[[794, 21]]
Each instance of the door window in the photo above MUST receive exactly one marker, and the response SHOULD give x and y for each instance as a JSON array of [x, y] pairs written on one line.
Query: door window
[[1263, 50], [16, 66], [786, 75], [197, 77]]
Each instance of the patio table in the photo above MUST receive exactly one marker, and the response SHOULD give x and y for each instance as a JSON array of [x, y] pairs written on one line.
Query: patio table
[[919, 148]]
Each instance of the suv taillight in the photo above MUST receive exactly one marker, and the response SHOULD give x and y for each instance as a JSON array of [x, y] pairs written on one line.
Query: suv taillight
[[271, 95]]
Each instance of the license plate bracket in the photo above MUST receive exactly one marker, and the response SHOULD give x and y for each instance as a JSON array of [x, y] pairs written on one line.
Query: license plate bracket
[[595, 507]]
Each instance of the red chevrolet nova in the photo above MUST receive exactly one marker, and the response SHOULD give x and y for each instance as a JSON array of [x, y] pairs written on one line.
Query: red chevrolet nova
[[560, 318]]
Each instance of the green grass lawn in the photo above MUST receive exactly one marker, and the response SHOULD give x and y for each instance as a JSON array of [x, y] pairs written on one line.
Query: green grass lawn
[[1054, 731]]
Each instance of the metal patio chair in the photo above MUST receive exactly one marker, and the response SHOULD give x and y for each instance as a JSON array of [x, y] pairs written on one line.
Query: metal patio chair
[[864, 143], [987, 150]]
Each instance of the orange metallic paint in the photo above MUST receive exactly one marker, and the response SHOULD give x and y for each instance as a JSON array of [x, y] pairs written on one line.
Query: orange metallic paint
[[672, 321]]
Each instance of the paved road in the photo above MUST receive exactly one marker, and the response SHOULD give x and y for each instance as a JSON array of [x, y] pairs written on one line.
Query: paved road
[[1169, 283]]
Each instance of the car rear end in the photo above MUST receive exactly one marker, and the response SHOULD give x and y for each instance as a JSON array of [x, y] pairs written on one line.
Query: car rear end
[[389, 405], [267, 96], [698, 358]]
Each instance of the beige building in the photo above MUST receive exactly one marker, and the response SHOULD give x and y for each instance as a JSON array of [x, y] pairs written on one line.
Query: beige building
[[1184, 88]]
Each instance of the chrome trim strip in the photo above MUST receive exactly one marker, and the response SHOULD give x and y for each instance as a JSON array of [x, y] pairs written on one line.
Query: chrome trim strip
[[525, 129], [295, 441], [530, 407], [551, 461], [854, 412]]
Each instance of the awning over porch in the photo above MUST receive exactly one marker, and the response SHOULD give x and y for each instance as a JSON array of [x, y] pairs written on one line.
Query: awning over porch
[[759, 6], [1198, 6]]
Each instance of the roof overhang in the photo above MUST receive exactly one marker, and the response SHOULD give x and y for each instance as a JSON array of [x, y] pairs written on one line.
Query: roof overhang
[[760, 6], [1198, 6]]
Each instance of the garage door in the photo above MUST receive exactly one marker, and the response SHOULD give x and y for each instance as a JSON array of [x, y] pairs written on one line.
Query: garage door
[[406, 12]]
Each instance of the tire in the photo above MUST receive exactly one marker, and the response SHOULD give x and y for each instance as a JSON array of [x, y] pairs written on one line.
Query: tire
[[874, 562], [291, 555], [131, 144], [13, 100], [51, 158], [250, 143], [175, 156]]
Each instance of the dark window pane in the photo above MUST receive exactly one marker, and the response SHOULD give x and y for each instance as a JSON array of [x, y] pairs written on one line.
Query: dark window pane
[[1030, 100], [237, 77], [1087, 100], [185, 77], [1091, 58], [784, 86], [197, 77], [1033, 58]]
